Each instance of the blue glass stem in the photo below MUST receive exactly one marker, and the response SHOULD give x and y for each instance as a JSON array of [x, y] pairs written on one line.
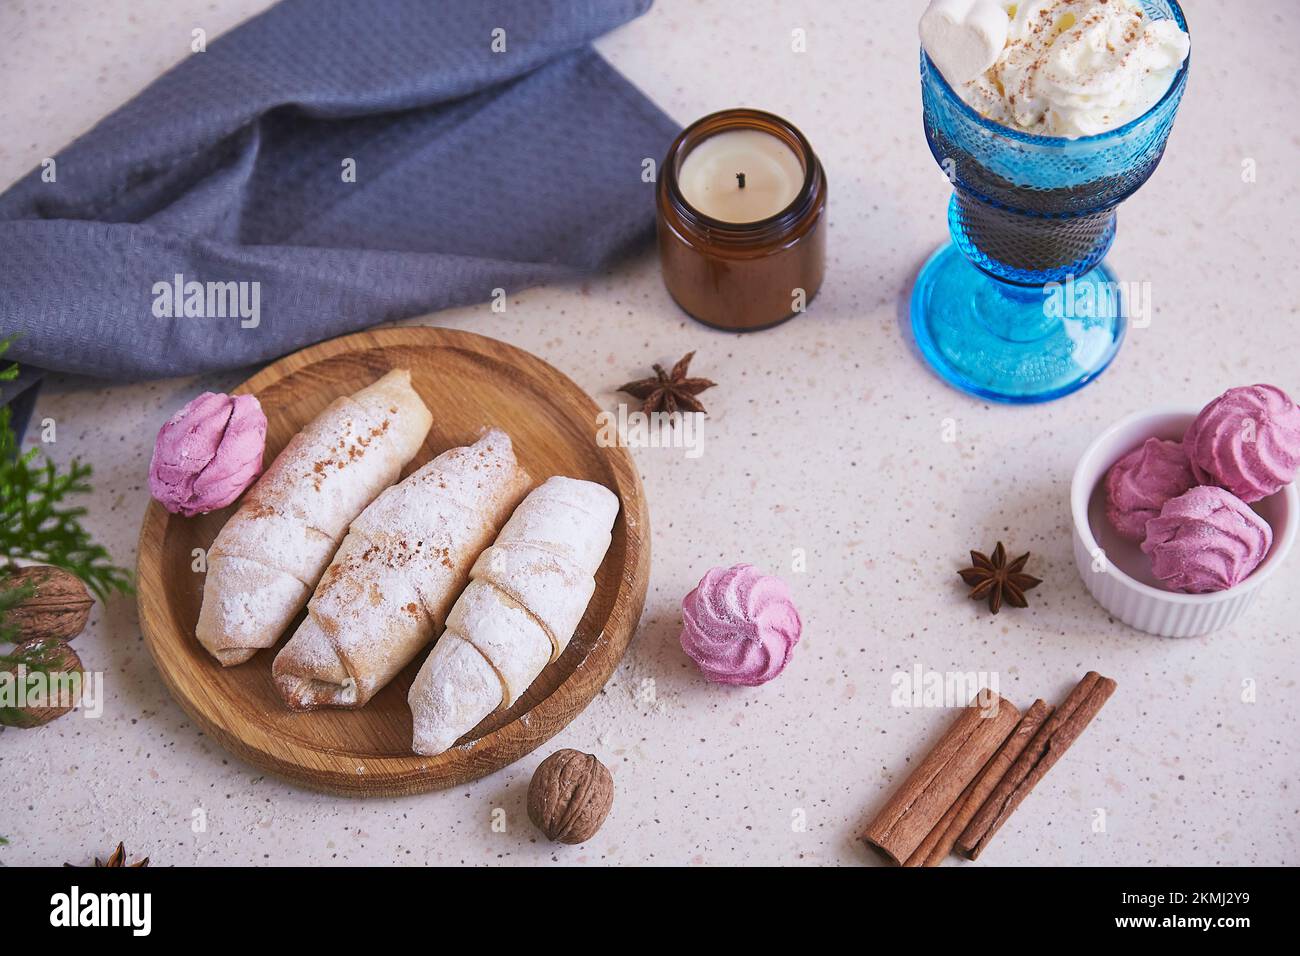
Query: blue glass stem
[[1028, 248], [1013, 313], [1013, 343]]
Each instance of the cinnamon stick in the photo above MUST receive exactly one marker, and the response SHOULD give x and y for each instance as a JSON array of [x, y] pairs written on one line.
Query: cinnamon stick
[[1046, 747], [941, 777], [930, 844], [939, 843]]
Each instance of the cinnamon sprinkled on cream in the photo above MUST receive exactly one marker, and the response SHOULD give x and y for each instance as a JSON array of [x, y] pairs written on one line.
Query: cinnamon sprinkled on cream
[[1078, 67]]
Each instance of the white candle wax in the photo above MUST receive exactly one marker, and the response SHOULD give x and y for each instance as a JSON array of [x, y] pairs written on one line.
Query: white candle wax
[[740, 175]]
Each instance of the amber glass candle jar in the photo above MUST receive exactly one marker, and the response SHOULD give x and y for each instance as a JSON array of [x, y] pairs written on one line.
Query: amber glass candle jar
[[724, 268]]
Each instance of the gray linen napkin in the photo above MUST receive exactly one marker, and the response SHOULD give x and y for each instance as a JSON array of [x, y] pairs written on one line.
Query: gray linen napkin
[[492, 149]]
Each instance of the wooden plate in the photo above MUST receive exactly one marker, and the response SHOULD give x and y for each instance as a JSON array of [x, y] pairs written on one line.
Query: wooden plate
[[468, 381]]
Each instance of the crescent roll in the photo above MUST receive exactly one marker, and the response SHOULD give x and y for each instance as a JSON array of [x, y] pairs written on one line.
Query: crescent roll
[[270, 554], [387, 592], [526, 596]]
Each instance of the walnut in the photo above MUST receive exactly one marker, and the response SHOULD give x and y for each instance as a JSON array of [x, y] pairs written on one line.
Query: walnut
[[570, 796], [48, 665], [58, 609]]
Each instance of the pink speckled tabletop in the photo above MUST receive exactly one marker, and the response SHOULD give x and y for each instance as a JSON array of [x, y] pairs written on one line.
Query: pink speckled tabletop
[[826, 439]]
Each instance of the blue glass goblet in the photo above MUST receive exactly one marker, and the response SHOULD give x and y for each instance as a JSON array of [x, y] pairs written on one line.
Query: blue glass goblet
[[1031, 219]]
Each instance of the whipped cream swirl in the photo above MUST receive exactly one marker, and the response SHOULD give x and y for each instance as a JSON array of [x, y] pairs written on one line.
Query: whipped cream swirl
[[1078, 67]]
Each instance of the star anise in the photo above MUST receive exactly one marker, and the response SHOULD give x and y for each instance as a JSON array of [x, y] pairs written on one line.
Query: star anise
[[993, 578], [669, 391], [118, 858]]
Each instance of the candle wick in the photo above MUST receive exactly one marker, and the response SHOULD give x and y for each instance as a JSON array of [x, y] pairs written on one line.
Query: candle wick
[[740, 178]]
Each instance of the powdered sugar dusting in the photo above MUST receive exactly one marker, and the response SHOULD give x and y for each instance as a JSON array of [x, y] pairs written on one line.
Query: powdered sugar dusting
[[292, 519], [388, 589], [543, 565]]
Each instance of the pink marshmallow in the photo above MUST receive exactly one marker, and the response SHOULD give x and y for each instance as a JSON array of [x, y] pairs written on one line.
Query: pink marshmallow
[[1247, 440], [208, 453], [1139, 484], [740, 626], [1206, 540]]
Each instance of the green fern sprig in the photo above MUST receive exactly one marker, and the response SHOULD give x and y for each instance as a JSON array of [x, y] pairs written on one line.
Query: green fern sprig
[[37, 524]]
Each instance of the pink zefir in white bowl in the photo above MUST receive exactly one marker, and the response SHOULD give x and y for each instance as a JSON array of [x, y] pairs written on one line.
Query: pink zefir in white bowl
[[1121, 576]]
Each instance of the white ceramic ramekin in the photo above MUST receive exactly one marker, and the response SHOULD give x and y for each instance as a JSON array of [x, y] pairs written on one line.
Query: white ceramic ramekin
[[1116, 571]]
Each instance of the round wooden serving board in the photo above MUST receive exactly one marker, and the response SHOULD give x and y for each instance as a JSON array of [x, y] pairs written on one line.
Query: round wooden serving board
[[469, 382]]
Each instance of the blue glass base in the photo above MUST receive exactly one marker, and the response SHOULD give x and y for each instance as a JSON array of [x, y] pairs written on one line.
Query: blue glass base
[[1009, 343]]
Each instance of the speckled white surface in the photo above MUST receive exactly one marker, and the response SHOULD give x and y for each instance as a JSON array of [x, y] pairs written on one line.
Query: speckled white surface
[[824, 434]]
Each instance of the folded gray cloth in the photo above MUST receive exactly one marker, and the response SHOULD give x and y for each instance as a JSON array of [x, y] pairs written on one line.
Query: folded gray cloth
[[211, 222]]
